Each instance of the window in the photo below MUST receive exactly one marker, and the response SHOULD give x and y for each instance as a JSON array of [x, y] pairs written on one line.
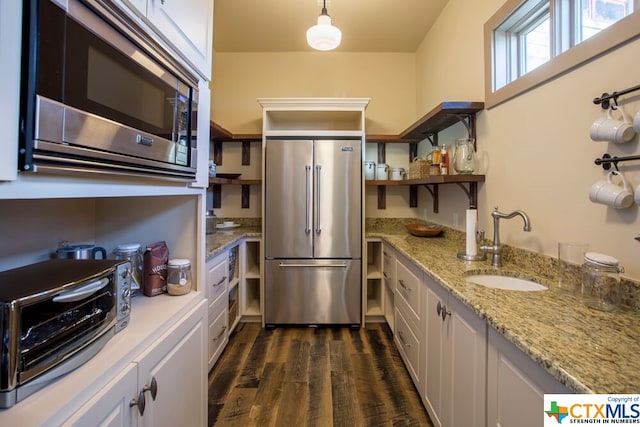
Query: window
[[528, 42]]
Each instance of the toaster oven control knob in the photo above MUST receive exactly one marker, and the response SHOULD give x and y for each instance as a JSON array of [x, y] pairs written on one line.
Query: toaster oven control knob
[[126, 293], [125, 308]]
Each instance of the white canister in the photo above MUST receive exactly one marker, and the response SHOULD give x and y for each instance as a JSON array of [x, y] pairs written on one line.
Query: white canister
[[382, 172], [369, 170], [396, 174]]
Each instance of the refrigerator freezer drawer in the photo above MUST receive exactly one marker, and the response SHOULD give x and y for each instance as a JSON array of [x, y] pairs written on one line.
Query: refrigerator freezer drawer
[[313, 292]]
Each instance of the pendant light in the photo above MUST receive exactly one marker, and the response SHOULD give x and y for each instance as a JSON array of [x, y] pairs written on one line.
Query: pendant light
[[324, 36]]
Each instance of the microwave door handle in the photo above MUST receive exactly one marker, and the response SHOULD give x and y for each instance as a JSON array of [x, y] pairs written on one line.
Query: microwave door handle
[[81, 293]]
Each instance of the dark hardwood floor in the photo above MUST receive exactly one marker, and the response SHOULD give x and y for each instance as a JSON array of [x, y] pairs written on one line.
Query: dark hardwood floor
[[312, 377]]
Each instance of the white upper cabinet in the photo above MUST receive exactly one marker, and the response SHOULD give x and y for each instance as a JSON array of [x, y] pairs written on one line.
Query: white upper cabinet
[[185, 25]]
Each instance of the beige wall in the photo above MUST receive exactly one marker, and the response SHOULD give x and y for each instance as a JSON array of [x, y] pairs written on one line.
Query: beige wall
[[537, 154], [535, 149], [387, 78]]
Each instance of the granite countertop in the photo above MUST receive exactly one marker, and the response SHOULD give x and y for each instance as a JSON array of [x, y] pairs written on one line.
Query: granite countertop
[[586, 350], [223, 239]]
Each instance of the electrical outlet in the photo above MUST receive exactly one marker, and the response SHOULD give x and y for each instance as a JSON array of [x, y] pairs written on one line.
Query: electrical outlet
[[455, 220]]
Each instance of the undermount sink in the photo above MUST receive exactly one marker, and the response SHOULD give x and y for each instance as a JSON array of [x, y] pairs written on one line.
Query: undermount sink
[[504, 281]]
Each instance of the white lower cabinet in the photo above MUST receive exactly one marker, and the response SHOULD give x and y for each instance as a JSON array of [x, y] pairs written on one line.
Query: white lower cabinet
[[110, 407], [409, 325], [170, 376], [515, 385], [217, 283], [455, 361], [389, 280]]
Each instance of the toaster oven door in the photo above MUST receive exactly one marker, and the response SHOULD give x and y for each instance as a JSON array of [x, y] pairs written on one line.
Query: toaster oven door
[[55, 329]]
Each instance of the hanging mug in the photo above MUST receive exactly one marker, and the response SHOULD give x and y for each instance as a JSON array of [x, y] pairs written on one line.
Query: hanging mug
[[613, 130], [607, 192]]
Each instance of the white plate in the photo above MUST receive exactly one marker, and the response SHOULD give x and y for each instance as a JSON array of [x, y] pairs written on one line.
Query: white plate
[[221, 226]]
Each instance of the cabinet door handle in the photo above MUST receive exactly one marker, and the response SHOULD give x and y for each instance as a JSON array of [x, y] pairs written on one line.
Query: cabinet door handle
[[224, 328], [403, 285], [385, 275], [401, 336], [442, 311], [153, 388], [140, 402], [215, 285]]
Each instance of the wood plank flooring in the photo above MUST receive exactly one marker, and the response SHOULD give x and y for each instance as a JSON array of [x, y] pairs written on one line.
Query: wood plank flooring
[[312, 377]]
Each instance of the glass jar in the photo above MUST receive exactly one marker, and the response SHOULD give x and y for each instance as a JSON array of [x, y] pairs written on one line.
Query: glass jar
[[131, 252], [463, 156], [601, 282], [178, 276]]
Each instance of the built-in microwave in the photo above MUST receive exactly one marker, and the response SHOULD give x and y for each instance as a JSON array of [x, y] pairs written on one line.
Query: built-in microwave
[[99, 95]]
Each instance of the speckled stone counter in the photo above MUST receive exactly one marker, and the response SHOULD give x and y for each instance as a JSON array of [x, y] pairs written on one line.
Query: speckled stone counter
[[223, 239], [587, 350]]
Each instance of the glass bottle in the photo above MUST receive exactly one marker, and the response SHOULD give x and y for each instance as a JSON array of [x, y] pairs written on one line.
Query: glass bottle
[[178, 276], [463, 157], [131, 252], [601, 282], [444, 161]]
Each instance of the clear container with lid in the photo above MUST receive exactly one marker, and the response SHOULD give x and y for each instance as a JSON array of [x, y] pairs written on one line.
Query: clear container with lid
[[178, 276], [131, 252], [601, 282]]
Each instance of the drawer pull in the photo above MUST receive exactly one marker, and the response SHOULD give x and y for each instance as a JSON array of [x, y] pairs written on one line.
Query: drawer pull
[[153, 388], [442, 311], [224, 328], [215, 285], [403, 285], [140, 402], [401, 336]]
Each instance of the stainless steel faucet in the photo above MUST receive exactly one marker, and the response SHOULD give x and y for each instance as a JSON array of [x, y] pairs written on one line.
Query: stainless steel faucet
[[496, 247]]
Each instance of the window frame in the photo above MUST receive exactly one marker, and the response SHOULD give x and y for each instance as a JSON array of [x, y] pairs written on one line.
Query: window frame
[[563, 59]]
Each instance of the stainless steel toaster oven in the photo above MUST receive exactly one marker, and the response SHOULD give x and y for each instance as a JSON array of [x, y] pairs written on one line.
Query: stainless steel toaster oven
[[54, 316]]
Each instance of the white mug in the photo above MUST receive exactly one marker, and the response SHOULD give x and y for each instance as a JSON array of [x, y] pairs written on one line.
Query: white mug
[[636, 122], [613, 130], [609, 193]]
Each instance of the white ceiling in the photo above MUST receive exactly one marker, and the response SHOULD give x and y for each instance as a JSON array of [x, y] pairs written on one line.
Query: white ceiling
[[281, 25]]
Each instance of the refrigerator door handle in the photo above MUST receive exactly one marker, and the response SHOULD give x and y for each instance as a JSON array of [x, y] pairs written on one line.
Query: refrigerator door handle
[[318, 169], [307, 228], [306, 265]]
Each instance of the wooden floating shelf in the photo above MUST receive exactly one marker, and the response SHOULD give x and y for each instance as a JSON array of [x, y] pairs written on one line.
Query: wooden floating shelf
[[433, 179], [226, 181], [443, 116]]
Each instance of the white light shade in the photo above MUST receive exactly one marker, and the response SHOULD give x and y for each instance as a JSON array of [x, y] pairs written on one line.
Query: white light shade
[[324, 36]]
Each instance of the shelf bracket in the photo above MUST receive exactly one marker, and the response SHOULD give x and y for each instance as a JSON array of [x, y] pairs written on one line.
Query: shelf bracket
[[472, 193], [434, 195], [469, 122], [245, 196], [217, 152], [413, 196], [216, 191], [246, 153], [433, 139], [382, 197]]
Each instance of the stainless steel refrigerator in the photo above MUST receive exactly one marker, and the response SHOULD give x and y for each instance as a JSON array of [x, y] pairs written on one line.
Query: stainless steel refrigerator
[[313, 232]]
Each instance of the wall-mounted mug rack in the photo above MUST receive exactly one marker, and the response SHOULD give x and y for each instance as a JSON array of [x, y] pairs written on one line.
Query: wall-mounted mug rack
[[606, 160], [605, 99]]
